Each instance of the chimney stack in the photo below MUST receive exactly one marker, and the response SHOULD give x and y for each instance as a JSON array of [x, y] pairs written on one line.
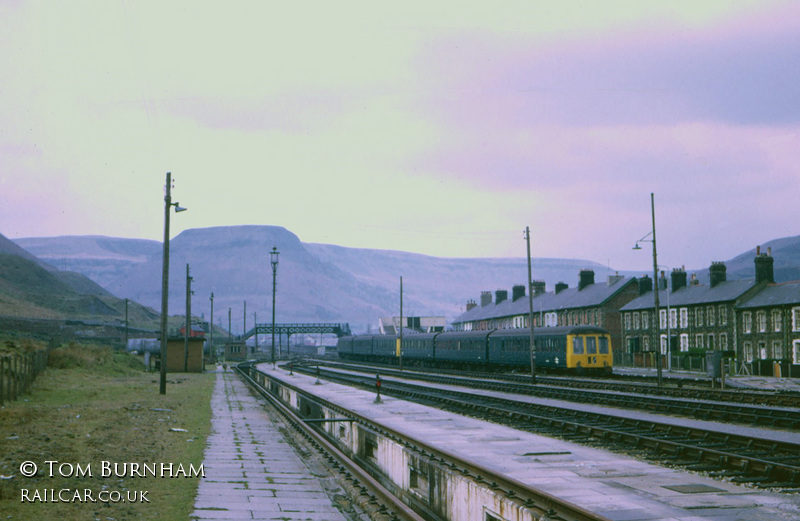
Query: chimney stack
[[471, 304], [517, 292], [561, 286], [538, 287], [486, 298], [678, 278], [717, 273], [764, 266], [500, 295], [645, 284], [586, 279]]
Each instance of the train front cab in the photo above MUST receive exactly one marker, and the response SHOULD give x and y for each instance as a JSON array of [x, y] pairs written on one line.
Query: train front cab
[[589, 351]]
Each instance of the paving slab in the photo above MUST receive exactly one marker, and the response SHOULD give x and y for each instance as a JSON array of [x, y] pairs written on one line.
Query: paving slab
[[251, 471]]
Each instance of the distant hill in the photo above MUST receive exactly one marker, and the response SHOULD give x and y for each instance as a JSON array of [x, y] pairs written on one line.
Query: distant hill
[[31, 288], [316, 282], [320, 282]]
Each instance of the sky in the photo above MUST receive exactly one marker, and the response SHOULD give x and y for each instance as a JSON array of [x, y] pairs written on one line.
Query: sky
[[441, 128]]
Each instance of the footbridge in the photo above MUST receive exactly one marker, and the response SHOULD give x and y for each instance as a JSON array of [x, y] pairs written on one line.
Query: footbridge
[[339, 330]]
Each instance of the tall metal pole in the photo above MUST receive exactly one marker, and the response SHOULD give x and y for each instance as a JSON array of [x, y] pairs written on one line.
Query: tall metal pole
[[230, 328], [211, 330], [188, 321], [255, 328], [165, 285], [274, 262], [655, 293], [400, 345], [126, 323], [530, 306], [244, 326]]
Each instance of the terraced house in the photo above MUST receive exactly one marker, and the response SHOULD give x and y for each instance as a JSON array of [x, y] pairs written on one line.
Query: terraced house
[[756, 319], [589, 303]]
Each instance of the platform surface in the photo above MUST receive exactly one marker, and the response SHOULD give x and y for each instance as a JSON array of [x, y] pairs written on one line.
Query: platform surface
[[616, 486], [251, 471]]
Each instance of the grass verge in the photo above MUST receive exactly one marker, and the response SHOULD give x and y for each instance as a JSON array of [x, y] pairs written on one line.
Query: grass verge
[[97, 406]]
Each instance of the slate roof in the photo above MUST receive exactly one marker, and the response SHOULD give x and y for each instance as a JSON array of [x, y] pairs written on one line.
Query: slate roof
[[725, 291], [786, 293], [571, 298]]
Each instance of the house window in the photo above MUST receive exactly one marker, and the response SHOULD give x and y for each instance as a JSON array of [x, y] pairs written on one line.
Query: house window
[[761, 321], [646, 319], [636, 321], [684, 342], [646, 343], [796, 352], [698, 339], [776, 320], [663, 344], [710, 345], [723, 315], [777, 349], [710, 315], [747, 322], [748, 351], [723, 340], [796, 319], [662, 318], [698, 317], [762, 350], [684, 318], [628, 321], [673, 318]]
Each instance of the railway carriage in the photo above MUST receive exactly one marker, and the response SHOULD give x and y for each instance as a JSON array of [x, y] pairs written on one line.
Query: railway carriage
[[579, 349]]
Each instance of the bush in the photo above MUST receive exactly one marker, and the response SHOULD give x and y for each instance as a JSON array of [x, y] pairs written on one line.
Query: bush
[[76, 355]]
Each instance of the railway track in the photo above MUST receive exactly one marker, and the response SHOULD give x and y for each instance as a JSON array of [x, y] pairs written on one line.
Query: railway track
[[691, 403], [739, 458], [532, 503]]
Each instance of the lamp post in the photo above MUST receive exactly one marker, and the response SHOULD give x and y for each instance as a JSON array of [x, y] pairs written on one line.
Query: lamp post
[[165, 280], [656, 318], [273, 260], [530, 307]]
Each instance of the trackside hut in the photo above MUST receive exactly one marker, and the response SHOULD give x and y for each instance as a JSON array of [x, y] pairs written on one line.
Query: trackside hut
[[588, 304]]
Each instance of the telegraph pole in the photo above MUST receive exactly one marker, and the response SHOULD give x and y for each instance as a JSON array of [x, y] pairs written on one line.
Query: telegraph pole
[[211, 329], [187, 330], [530, 306], [400, 341]]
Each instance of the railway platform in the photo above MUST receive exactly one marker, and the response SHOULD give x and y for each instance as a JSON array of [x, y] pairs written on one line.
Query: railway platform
[[251, 470], [619, 487], [764, 383]]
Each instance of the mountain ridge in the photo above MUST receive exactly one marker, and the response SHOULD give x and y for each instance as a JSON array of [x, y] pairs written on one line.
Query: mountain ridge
[[321, 282]]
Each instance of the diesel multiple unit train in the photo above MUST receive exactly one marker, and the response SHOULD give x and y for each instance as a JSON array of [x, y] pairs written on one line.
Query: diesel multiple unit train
[[578, 349]]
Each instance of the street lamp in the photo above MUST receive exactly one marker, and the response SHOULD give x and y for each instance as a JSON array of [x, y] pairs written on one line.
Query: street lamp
[[656, 318], [165, 280], [274, 261]]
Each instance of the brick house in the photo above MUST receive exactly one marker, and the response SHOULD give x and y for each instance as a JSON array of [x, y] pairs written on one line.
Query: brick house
[[589, 303]]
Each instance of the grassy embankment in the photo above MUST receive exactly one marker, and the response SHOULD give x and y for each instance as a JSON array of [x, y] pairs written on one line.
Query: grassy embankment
[[93, 405]]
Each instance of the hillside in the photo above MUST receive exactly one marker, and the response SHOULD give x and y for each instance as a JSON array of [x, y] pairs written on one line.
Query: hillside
[[316, 282], [32, 289], [320, 282]]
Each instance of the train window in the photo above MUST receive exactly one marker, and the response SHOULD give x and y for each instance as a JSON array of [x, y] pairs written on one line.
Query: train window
[[591, 345], [577, 345], [603, 345]]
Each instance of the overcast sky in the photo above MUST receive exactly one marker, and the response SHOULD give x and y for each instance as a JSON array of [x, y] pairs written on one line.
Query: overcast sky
[[429, 127]]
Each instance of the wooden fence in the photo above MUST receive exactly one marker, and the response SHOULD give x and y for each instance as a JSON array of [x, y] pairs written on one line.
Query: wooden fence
[[17, 373]]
